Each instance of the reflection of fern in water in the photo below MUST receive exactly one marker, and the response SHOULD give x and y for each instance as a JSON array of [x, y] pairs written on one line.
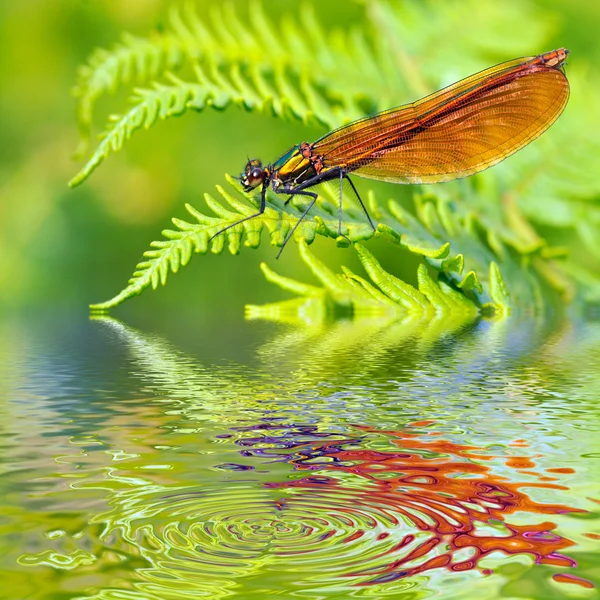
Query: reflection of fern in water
[[291, 69]]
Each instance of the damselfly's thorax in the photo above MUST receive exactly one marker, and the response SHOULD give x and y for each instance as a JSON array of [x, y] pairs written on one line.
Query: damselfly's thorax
[[297, 165]]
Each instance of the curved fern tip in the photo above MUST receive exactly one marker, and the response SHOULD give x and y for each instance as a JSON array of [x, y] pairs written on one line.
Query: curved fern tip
[[77, 180], [99, 309]]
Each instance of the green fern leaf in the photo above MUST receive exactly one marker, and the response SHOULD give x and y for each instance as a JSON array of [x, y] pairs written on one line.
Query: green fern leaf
[[255, 68], [135, 59], [290, 285], [386, 295], [401, 293], [161, 102], [485, 285], [166, 256], [482, 284]]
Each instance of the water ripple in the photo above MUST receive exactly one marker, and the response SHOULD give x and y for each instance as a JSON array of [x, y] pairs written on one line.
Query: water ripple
[[175, 479], [351, 516], [454, 504]]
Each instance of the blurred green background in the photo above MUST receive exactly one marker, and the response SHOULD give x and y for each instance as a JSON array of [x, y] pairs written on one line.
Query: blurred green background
[[67, 248]]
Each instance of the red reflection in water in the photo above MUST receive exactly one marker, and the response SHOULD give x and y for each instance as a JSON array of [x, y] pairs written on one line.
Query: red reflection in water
[[567, 578], [435, 485]]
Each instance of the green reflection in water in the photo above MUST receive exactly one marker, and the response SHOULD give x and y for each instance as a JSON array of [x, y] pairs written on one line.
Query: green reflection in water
[[180, 480]]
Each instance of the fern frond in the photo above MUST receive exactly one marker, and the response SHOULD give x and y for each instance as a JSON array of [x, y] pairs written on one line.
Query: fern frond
[[288, 73], [163, 101], [134, 59], [168, 255], [160, 102], [401, 293], [475, 264], [497, 280], [385, 295], [289, 284]]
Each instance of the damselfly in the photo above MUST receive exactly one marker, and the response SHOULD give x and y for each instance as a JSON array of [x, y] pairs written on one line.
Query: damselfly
[[456, 132]]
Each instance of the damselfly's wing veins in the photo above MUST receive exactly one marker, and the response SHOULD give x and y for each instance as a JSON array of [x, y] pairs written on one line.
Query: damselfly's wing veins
[[458, 131]]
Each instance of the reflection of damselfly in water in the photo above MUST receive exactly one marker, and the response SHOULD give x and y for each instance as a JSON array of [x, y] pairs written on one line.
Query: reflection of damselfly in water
[[456, 132]]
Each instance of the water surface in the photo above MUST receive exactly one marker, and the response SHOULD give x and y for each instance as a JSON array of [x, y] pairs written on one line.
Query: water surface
[[357, 459]]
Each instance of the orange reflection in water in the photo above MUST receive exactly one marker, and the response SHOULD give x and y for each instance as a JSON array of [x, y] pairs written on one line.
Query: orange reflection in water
[[441, 487]]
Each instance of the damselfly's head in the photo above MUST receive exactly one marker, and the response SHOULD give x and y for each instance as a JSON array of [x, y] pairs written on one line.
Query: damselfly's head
[[254, 174]]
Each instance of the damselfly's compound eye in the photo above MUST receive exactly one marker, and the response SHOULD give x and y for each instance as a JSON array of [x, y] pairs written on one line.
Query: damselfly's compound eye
[[255, 177], [253, 174]]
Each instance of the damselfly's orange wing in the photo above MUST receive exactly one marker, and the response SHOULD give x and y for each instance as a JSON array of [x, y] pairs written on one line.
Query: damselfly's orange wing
[[458, 131]]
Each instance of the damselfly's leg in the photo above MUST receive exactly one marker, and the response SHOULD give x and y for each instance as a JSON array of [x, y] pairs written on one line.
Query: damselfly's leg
[[340, 209], [291, 233], [361, 203], [261, 210]]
